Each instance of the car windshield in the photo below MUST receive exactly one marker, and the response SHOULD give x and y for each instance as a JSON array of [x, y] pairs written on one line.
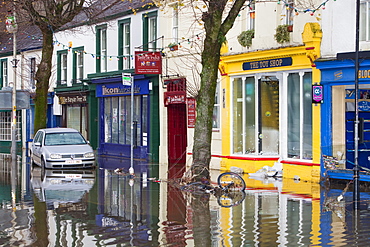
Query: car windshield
[[71, 138]]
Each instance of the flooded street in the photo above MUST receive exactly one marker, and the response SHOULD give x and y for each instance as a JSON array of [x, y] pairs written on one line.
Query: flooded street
[[107, 207]]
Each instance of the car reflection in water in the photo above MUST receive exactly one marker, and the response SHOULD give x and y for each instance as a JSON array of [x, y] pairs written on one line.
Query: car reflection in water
[[57, 187]]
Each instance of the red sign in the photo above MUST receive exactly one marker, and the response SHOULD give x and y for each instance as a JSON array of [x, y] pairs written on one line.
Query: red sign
[[174, 98], [147, 62], [191, 112]]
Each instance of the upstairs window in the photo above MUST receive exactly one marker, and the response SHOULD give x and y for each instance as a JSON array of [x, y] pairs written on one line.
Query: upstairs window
[[175, 24], [251, 16], [101, 49], [4, 72], [150, 31], [78, 64], [288, 13], [62, 63], [365, 20], [125, 44], [32, 72]]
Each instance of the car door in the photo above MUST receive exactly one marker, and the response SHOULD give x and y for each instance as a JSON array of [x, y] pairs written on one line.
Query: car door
[[36, 147]]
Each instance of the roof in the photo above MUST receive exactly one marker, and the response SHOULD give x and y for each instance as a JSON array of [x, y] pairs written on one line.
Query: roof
[[58, 130]]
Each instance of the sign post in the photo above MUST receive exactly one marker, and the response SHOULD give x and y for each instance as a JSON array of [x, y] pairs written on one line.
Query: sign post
[[128, 81]]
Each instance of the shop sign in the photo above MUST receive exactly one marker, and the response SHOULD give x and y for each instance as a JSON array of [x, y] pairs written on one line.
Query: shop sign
[[317, 94], [270, 63], [364, 106], [191, 112], [174, 98], [147, 62], [118, 89], [74, 99]]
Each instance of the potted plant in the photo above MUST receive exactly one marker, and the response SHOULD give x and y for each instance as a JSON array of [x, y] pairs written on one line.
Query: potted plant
[[173, 46], [245, 38], [282, 34]]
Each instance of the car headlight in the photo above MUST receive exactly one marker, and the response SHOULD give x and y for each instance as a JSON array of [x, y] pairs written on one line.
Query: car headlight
[[55, 156], [89, 155]]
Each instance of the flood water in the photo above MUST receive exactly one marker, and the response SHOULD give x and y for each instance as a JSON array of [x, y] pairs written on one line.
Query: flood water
[[107, 207]]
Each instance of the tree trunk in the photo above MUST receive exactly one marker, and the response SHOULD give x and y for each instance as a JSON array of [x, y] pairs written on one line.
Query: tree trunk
[[42, 80], [205, 105], [216, 27]]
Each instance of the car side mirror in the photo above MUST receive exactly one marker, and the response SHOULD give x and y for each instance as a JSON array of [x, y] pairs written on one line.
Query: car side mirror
[[37, 144]]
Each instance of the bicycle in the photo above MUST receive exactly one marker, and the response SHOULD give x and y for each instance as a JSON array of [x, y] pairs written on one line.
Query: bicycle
[[230, 190]]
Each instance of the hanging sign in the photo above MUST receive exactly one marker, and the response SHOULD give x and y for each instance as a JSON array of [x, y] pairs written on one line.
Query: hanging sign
[[126, 79], [191, 112], [147, 62], [11, 25], [317, 94]]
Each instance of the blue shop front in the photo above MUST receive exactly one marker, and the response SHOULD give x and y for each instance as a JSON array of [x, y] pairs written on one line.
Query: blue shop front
[[338, 115], [115, 119]]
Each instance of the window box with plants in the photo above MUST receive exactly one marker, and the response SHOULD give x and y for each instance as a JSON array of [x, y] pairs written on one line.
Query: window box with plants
[[245, 38], [173, 46], [282, 34]]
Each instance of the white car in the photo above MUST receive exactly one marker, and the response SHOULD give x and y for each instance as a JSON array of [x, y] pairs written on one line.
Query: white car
[[61, 148]]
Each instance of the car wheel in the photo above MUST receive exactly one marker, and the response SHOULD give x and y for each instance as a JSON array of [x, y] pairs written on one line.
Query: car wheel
[[42, 169]]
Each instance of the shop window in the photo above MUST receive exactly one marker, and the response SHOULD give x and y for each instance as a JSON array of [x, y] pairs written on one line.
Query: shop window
[[78, 65], [62, 63], [150, 31], [256, 115], [6, 125], [365, 20], [125, 44], [101, 49], [299, 113], [216, 108], [117, 123], [4, 72]]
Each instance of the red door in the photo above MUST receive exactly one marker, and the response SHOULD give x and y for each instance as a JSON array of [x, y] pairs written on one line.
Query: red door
[[175, 100], [177, 139]]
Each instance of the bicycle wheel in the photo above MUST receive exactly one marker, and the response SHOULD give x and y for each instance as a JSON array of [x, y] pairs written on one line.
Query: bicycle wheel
[[231, 181], [231, 199]]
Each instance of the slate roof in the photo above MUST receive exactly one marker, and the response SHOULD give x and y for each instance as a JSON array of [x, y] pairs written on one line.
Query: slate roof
[[30, 37]]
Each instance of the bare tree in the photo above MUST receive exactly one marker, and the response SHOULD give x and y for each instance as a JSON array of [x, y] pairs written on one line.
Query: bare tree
[[217, 17]]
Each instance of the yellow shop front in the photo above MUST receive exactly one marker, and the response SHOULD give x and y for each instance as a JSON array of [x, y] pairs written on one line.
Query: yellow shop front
[[269, 117]]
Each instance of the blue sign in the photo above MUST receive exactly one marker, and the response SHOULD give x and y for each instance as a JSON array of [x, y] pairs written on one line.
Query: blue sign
[[317, 94], [364, 106], [118, 89], [271, 63]]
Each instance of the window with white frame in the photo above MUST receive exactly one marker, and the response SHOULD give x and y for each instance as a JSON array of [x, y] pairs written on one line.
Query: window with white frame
[[4, 72], [152, 33], [251, 16], [256, 115], [32, 72], [288, 13], [6, 125], [175, 24], [103, 50], [125, 44], [365, 20], [216, 108], [80, 66], [62, 69]]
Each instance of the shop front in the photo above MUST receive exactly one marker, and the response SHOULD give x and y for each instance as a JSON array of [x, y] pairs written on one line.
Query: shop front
[[339, 112], [115, 124], [268, 115]]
